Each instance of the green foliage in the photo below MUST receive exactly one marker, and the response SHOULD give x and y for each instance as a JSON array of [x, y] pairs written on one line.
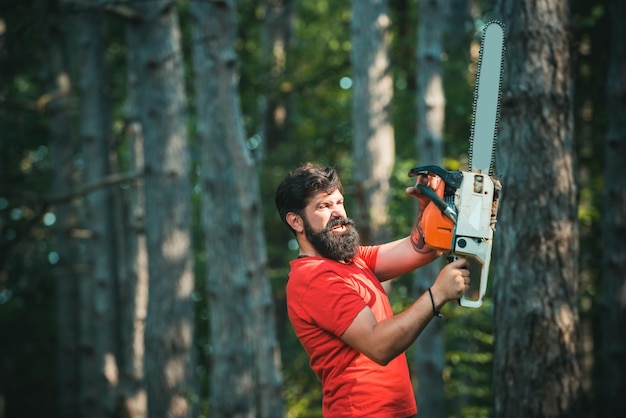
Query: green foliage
[[27, 315], [302, 389], [468, 372], [27, 321], [592, 25]]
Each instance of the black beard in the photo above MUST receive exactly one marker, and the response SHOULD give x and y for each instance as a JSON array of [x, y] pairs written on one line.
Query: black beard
[[336, 246]]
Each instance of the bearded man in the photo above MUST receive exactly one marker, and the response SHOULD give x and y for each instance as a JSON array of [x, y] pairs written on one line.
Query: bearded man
[[338, 307]]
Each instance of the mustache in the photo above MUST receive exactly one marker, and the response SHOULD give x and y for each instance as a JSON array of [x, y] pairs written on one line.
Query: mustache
[[338, 222]]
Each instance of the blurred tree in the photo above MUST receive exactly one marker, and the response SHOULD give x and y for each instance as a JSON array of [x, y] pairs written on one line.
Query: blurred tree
[[536, 359], [132, 301], [161, 97], [277, 39], [72, 400], [373, 140], [131, 239], [430, 105], [613, 281], [231, 368], [97, 293], [245, 361]]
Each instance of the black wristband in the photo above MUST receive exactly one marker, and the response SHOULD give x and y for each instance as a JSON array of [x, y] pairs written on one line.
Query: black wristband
[[435, 311]]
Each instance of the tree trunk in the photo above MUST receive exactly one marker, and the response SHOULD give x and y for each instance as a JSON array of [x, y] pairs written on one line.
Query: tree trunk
[[244, 349], [277, 40], [100, 286], [133, 284], [536, 367], [62, 152], [132, 255], [161, 97], [277, 103], [459, 23], [373, 142], [613, 303], [429, 349]]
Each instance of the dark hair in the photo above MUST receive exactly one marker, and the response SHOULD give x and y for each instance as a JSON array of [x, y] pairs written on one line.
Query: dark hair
[[301, 184]]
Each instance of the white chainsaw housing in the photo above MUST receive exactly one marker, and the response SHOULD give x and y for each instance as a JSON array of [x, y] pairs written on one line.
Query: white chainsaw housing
[[473, 236]]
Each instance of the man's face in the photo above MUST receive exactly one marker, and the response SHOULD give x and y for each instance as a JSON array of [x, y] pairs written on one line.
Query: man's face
[[328, 229]]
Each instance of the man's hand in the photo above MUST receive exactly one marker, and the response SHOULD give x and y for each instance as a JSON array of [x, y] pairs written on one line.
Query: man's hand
[[452, 282], [434, 182], [429, 180]]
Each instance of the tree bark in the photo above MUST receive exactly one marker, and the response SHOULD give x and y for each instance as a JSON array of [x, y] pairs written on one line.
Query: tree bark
[[161, 97], [276, 103], [536, 367], [244, 354], [613, 282], [100, 288], [429, 347], [62, 151], [373, 142], [132, 254], [459, 23]]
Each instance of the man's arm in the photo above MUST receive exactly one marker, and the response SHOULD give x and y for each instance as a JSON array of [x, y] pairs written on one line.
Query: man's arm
[[383, 341], [400, 257], [406, 254]]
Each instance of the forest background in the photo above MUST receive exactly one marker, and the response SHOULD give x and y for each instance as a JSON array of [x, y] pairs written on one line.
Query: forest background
[[65, 350]]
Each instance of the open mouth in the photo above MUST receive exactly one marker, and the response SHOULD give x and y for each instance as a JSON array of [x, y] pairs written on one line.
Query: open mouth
[[338, 225]]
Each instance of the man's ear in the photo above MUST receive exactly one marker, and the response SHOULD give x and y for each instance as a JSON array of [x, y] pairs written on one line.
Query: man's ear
[[295, 221]]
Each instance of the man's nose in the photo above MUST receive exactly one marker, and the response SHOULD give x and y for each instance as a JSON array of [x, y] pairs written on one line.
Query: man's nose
[[338, 212]]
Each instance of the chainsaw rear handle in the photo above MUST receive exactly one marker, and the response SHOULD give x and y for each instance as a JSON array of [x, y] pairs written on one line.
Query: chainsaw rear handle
[[479, 252], [483, 263]]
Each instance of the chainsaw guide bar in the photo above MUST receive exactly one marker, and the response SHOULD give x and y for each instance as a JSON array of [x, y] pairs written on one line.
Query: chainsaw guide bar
[[487, 95]]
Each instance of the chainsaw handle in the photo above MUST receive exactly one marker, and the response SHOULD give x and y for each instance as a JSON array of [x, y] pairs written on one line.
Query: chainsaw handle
[[483, 258], [463, 301], [477, 303], [451, 257]]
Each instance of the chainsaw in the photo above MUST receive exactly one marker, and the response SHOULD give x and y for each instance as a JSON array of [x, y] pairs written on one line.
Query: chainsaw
[[461, 216]]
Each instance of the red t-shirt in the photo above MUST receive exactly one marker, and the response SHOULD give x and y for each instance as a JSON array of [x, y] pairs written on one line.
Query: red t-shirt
[[323, 298]]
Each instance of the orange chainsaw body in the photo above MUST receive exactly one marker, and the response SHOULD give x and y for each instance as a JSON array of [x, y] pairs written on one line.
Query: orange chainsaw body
[[438, 228]]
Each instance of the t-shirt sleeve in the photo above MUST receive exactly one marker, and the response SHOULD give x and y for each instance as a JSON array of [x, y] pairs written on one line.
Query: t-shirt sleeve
[[340, 302], [369, 254]]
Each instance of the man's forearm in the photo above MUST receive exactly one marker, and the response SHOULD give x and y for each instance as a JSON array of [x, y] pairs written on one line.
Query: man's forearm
[[400, 257], [404, 255], [396, 334]]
